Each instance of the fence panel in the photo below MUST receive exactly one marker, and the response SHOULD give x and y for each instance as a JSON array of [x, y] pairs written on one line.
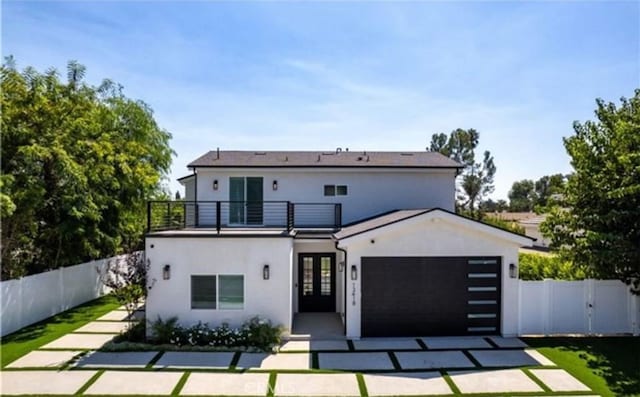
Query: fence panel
[[33, 298], [578, 307]]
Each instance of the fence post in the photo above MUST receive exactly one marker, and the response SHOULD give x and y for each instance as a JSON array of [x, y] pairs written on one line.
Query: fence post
[[546, 305], [338, 216], [218, 216]]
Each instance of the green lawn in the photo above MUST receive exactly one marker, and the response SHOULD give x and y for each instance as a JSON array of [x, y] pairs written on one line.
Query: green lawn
[[609, 365], [19, 343]]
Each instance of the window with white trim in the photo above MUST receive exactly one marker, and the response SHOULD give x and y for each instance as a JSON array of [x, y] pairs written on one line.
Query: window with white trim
[[222, 292], [335, 190]]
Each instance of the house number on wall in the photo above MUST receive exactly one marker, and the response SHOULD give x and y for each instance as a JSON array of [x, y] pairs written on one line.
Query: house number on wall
[[353, 294]]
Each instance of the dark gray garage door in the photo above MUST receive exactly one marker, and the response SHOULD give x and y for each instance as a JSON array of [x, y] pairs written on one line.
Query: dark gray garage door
[[419, 296]]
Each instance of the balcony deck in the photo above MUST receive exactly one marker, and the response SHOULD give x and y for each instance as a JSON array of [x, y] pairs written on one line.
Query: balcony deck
[[259, 217]]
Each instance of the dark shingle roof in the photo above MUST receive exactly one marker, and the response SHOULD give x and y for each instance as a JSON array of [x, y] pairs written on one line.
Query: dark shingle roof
[[234, 158]]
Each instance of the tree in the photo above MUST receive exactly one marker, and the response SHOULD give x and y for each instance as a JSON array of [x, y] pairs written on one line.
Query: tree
[[548, 186], [78, 164], [477, 177], [494, 206], [597, 224], [522, 196], [126, 277]]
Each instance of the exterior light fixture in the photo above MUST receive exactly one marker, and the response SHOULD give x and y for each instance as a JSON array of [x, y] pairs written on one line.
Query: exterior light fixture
[[513, 270], [265, 272], [341, 267], [215, 184], [275, 185], [354, 272], [166, 272]]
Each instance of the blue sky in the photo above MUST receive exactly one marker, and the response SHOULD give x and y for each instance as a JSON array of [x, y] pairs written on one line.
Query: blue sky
[[362, 75]]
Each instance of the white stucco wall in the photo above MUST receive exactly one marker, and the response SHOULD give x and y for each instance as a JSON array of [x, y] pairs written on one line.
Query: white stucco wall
[[269, 299], [370, 192], [314, 247], [432, 235]]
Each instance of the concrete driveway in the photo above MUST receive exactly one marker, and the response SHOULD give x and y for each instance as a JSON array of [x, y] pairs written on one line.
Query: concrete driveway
[[374, 367]]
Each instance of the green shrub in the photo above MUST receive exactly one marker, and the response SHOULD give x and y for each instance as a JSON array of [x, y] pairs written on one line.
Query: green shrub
[[508, 225], [540, 267], [256, 333], [134, 333], [161, 330]]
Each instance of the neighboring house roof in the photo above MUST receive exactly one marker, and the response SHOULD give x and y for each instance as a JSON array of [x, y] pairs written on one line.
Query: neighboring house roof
[[233, 158], [186, 178], [512, 216], [403, 215], [535, 221]]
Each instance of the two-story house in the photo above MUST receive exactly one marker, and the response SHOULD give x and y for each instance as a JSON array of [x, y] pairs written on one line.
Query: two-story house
[[370, 239]]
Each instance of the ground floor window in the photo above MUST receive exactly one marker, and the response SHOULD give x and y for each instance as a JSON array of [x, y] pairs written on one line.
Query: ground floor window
[[224, 292]]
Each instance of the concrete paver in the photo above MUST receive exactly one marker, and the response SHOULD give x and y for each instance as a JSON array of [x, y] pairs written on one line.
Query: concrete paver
[[313, 385], [79, 341], [386, 344], [355, 361], [116, 360], [314, 345], [500, 381], [114, 327], [406, 384], [134, 382], [559, 380], [275, 361], [433, 359], [456, 342], [246, 384], [44, 359], [211, 360], [509, 358], [115, 315], [508, 342], [43, 382]]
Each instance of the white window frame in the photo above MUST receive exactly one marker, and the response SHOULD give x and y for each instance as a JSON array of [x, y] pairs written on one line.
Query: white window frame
[[217, 276]]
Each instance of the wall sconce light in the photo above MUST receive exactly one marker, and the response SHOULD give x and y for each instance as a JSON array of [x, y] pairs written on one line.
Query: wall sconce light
[[354, 272], [215, 184], [341, 267], [275, 185], [513, 270], [166, 272], [265, 272]]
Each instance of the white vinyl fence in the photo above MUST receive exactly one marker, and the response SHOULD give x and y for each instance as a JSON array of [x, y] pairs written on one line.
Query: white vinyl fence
[[33, 298], [578, 307]]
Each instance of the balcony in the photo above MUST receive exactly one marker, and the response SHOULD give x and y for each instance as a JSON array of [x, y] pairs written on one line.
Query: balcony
[[221, 215]]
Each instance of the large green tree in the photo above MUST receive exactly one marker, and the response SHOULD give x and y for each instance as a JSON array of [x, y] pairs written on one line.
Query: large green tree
[[597, 224], [522, 196], [477, 176], [78, 164]]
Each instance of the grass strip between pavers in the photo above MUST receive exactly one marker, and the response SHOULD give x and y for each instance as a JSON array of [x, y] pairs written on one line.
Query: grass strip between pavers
[[452, 386], [271, 385], [362, 385], [91, 381], [537, 381], [422, 345], [471, 358], [154, 360], [315, 360], [178, 388], [234, 360], [32, 337], [350, 345], [492, 343], [394, 361]]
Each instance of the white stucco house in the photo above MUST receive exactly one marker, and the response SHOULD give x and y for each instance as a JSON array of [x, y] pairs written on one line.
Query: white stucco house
[[367, 238]]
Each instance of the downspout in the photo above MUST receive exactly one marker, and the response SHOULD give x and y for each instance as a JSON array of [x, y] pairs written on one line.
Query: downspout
[[344, 291]]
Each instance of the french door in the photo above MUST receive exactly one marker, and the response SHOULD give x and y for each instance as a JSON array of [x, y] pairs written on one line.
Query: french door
[[317, 282], [246, 200]]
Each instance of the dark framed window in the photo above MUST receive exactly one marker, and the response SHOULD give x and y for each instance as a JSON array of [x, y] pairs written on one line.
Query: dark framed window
[[203, 292], [329, 190], [341, 190], [231, 296]]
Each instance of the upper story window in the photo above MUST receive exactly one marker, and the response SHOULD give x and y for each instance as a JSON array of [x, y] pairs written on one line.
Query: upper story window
[[335, 190]]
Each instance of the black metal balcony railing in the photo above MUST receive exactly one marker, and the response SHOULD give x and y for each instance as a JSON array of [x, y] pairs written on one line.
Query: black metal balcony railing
[[172, 215]]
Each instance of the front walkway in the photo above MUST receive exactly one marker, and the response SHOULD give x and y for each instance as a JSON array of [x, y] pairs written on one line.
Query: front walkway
[[311, 367]]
